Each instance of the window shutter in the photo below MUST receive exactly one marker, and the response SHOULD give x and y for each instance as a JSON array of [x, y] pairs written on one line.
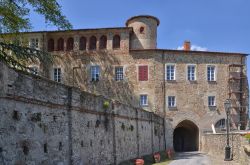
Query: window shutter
[[143, 73]]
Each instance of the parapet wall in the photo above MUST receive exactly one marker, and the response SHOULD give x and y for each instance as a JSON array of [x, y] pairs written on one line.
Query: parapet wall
[[43, 122], [214, 145]]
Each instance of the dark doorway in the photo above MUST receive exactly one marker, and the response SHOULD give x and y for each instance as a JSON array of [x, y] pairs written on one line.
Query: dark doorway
[[186, 137]]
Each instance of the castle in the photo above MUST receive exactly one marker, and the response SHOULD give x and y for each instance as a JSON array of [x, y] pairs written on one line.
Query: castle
[[187, 87]]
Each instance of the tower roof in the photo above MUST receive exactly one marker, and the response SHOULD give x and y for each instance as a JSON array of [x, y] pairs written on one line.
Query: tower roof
[[143, 16]]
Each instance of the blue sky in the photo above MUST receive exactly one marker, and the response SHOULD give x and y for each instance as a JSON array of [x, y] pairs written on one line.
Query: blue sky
[[216, 25]]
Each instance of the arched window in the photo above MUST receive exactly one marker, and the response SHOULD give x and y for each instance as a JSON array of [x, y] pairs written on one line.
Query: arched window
[[70, 43], [60, 44], [92, 43], [82, 44], [103, 42], [51, 45], [116, 42], [220, 124]]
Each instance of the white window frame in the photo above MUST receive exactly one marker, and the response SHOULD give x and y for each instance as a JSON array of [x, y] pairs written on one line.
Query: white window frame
[[210, 73], [34, 43], [172, 75], [57, 76], [143, 100], [211, 101], [119, 75], [220, 124], [191, 76], [95, 72], [171, 101]]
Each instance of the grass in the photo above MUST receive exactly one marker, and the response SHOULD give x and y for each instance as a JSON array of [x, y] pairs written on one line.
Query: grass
[[164, 162]]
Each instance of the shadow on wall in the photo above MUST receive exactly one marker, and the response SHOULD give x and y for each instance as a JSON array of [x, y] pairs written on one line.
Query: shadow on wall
[[107, 86]]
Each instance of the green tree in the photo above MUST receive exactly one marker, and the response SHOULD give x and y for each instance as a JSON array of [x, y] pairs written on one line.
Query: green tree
[[14, 18]]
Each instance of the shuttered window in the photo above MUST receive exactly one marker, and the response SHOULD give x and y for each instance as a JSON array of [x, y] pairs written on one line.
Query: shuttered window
[[143, 73]]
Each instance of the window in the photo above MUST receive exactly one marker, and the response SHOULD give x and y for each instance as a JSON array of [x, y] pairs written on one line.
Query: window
[[92, 43], [211, 100], [191, 72], [143, 100], [34, 70], [141, 29], [103, 42], [171, 101], [57, 74], [116, 42], [60, 44], [83, 43], [170, 72], [119, 73], [70, 43], [143, 73], [34, 43], [51, 45], [220, 123], [210, 73], [95, 73]]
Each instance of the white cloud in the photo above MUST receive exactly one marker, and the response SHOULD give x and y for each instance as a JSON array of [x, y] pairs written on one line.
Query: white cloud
[[193, 47]]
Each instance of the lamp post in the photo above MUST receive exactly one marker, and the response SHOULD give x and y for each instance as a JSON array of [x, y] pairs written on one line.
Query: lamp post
[[227, 106]]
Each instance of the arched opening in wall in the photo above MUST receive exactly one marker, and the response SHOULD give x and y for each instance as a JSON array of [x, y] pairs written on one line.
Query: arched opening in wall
[[70, 43], [83, 42], [103, 42], [186, 137], [51, 45], [220, 125], [60, 44], [92, 43], [116, 42]]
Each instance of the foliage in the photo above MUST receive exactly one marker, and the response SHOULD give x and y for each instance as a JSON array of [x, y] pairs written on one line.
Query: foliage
[[106, 104], [21, 54], [14, 14], [14, 19], [247, 136]]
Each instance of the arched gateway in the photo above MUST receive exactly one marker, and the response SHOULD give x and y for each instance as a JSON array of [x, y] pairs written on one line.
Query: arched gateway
[[186, 136]]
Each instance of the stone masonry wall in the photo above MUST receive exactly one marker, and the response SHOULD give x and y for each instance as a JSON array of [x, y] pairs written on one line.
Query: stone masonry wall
[[43, 122], [214, 145]]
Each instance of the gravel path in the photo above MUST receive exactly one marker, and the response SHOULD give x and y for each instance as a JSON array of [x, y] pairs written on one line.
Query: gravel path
[[191, 158]]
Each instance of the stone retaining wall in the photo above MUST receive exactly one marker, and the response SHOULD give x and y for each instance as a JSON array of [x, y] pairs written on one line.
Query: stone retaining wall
[[43, 122], [214, 145]]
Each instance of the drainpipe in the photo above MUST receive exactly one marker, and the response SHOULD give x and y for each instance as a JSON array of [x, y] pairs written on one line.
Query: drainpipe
[[164, 101]]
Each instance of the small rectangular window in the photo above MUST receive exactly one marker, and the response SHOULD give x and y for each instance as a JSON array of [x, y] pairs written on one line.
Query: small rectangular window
[[191, 70], [143, 73], [57, 74], [211, 101], [34, 43], [171, 101], [170, 72], [143, 100], [210, 73], [95, 73], [119, 73]]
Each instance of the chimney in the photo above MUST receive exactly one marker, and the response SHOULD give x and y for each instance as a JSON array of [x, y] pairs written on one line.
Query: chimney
[[187, 46]]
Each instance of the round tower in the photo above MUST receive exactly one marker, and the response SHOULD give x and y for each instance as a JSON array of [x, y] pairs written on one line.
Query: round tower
[[144, 31]]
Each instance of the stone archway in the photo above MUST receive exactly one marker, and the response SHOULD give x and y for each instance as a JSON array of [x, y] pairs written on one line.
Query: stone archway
[[186, 137]]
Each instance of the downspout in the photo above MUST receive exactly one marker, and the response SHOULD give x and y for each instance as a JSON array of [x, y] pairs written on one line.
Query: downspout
[[164, 101]]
